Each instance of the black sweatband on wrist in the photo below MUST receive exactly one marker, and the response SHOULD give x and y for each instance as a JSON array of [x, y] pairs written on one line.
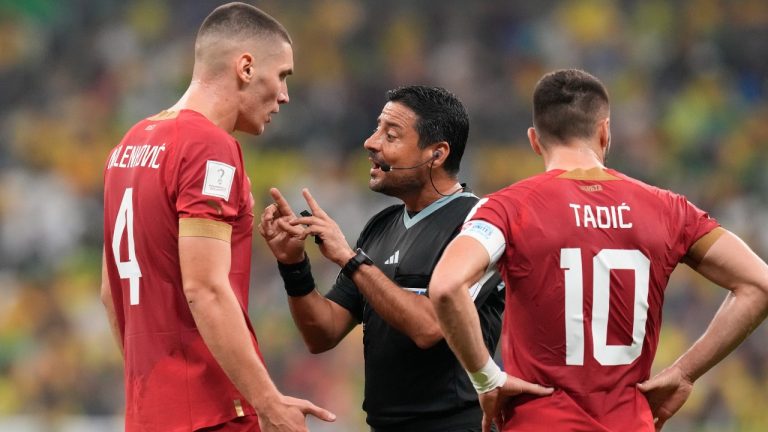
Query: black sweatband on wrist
[[297, 278]]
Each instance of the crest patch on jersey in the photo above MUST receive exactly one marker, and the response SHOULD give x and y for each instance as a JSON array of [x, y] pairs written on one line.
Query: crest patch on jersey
[[218, 179]]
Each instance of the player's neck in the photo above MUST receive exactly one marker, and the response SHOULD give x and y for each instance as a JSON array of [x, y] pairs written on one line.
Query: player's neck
[[210, 101], [567, 157]]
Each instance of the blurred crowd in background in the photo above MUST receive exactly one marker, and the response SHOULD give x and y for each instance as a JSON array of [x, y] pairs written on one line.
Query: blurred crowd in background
[[688, 82]]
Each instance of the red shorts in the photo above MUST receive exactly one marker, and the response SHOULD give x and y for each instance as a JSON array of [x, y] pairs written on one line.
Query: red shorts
[[240, 424]]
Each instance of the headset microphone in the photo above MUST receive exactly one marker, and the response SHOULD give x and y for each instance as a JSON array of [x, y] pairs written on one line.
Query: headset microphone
[[385, 167]]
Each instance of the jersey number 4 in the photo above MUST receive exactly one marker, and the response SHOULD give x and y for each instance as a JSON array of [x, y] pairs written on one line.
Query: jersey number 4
[[126, 269], [602, 264]]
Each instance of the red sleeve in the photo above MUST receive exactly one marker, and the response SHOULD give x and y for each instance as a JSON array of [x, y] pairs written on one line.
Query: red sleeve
[[492, 210], [695, 222], [209, 174]]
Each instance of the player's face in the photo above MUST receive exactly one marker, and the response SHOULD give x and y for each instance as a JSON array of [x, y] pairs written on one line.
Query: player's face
[[396, 142], [268, 88]]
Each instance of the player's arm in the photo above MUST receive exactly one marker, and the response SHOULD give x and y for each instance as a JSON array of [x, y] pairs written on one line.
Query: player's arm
[[321, 322], [408, 312], [109, 304], [730, 263], [205, 264], [463, 263]]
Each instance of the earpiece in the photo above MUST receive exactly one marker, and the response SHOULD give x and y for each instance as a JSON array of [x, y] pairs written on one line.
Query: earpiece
[[387, 167]]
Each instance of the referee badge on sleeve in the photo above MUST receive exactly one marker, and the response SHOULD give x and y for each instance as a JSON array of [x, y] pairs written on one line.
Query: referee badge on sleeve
[[218, 179]]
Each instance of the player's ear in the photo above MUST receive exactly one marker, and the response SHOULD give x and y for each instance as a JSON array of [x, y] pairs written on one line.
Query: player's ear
[[245, 67], [604, 130], [533, 138]]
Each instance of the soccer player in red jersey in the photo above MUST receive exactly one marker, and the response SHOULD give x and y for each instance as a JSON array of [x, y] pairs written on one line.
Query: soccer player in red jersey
[[586, 253], [178, 222]]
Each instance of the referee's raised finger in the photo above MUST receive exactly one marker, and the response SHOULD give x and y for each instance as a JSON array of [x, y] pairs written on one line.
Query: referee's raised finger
[[313, 205], [283, 208]]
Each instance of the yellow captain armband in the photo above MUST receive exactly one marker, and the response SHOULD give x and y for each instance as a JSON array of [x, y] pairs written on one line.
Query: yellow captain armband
[[198, 227]]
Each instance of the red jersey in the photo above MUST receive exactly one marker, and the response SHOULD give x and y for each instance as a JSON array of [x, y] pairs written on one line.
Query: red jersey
[[587, 259], [169, 167]]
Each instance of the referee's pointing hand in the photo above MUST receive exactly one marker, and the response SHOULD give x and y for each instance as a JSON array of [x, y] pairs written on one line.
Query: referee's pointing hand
[[334, 245], [282, 238]]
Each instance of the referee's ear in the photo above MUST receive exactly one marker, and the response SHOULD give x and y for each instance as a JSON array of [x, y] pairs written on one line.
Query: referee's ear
[[440, 153]]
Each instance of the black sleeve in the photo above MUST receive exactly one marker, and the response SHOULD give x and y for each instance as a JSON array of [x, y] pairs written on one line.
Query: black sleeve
[[492, 285], [345, 293], [490, 308]]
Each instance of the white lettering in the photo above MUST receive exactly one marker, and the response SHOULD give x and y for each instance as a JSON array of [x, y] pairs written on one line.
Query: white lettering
[[134, 156], [153, 164], [146, 156], [575, 208], [603, 222], [126, 154], [589, 217], [621, 209], [115, 154], [602, 217]]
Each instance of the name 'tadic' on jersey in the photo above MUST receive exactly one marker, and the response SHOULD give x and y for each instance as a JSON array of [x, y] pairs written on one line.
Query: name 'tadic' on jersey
[[587, 259], [172, 166]]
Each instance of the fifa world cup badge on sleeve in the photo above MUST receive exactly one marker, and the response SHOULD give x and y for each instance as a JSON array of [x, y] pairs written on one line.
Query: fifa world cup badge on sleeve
[[218, 179]]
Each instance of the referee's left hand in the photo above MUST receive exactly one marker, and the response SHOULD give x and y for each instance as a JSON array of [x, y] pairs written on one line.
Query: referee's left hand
[[283, 239], [334, 245]]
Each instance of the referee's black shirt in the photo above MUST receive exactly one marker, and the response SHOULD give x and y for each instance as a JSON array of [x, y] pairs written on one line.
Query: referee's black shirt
[[408, 388]]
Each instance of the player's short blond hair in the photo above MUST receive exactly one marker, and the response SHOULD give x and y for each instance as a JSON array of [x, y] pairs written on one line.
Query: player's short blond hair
[[232, 24]]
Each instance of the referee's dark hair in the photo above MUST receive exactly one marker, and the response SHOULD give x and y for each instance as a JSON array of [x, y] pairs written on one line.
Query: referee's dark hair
[[441, 117]]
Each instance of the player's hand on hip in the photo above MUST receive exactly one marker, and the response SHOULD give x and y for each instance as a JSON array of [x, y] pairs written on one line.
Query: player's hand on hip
[[334, 245], [493, 402], [515, 386], [666, 393], [283, 239], [288, 414]]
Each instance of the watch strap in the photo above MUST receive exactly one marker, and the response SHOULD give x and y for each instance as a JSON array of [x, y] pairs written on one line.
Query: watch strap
[[355, 262]]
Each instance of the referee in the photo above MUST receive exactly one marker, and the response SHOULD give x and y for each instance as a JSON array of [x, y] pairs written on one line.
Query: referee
[[413, 382]]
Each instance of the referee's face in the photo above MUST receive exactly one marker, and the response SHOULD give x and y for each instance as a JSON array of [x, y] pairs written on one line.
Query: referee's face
[[394, 144]]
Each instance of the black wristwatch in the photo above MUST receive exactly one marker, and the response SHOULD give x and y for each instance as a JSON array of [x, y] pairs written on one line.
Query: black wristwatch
[[355, 262]]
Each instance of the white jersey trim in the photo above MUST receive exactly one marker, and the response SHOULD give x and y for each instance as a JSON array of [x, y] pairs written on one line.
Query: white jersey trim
[[475, 289], [489, 236]]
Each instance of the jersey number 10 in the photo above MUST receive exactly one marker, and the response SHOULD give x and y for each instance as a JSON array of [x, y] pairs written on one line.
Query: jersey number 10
[[602, 264], [126, 269]]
